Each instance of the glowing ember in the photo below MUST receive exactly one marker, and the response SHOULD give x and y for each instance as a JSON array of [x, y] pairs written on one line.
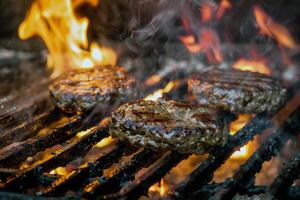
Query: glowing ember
[[239, 123], [162, 188], [246, 150], [65, 35], [105, 142], [59, 171], [273, 29], [252, 65], [159, 93]]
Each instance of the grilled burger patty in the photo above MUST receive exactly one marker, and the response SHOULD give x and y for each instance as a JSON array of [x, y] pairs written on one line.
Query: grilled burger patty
[[169, 125], [238, 91], [82, 89]]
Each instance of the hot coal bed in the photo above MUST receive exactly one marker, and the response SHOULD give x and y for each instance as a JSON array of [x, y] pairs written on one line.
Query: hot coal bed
[[49, 154]]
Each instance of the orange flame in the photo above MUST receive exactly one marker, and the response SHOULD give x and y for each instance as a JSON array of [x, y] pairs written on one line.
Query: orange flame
[[223, 7], [252, 65], [246, 150], [153, 80], [206, 12], [159, 93], [208, 43], [162, 188], [65, 35], [105, 142], [273, 29]]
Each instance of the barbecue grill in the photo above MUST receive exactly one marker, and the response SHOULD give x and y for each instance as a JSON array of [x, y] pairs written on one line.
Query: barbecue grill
[[48, 154], [89, 181]]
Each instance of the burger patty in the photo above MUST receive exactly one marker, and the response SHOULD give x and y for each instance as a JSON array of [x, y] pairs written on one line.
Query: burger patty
[[80, 90], [238, 91], [169, 125]]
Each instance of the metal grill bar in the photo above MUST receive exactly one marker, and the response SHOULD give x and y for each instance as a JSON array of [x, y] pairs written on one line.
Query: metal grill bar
[[105, 187], [28, 129], [246, 174], [11, 119], [102, 186], [204, 173], [288, 175], [39, 143], [140, 186], [88, 170], [75, 149]]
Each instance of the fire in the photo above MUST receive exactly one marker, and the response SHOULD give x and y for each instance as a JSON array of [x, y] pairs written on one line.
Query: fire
[[223, 7], [252, 65], [162, 188], [153, 80], [273, 29], [105, 142], [61, 171], [246, 150], [206, 12], [207, 43], [65, 35], [159, 93]]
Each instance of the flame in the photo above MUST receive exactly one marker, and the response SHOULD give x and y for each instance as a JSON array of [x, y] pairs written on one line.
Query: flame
[[252, 65], [206, 12], [246, 150], [208, 43], [59, 171], [105, 142], [223, 7], [65, 35], [153, 80], [159, 93], [162, 188], [273, 29]]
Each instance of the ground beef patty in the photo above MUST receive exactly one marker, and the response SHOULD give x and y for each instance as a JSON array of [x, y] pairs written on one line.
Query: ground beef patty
[[238, 91], [169, 125], [82, 89]]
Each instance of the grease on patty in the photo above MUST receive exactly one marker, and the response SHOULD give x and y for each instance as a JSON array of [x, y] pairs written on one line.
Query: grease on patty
[[169, 125], [238, 91], [81, 90]]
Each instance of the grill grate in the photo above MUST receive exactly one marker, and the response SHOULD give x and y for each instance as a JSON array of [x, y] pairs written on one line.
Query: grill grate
[[91, 182]]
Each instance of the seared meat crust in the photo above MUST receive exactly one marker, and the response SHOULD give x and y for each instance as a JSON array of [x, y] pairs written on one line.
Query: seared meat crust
[[80, 90], [169, 125], [238, 91]]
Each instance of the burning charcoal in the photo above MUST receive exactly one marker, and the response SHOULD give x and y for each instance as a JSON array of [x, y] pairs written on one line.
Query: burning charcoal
[[161, 125], [81, 90], [238, 91]]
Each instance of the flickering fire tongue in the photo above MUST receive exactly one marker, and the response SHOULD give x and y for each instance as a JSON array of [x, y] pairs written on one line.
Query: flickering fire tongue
[[65, 35]]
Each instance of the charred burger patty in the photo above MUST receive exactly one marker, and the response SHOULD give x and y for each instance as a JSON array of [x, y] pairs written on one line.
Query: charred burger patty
[[238, 91], [169, 125], [80, 90]]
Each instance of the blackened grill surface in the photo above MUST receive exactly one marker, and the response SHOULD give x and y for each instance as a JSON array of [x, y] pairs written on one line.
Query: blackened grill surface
[[238, 91], [196, 186], [82, 89], [169, 125]]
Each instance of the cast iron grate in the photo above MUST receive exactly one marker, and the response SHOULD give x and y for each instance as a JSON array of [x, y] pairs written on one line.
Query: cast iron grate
[[88, 179]]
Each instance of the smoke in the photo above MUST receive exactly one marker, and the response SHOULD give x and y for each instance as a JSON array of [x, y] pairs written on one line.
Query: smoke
[[160, 19]]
